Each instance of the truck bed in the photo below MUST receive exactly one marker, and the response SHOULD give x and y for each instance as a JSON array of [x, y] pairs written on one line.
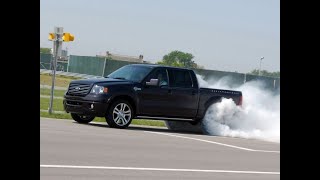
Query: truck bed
[[210, 96]]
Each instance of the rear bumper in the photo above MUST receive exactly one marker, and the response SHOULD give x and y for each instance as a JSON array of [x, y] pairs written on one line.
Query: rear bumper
[[87, 106]]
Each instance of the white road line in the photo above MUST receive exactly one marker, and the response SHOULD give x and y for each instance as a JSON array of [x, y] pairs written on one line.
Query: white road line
[[267, 151], [156, 169], [213, 142]]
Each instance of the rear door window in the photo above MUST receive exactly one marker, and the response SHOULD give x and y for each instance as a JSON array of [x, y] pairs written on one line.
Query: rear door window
[[180, 78]]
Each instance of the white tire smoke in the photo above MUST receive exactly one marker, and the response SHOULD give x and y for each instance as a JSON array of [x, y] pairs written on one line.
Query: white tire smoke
[[258, 118]]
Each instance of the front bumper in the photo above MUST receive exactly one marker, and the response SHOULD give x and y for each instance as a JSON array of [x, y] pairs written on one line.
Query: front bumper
[[89, 105]]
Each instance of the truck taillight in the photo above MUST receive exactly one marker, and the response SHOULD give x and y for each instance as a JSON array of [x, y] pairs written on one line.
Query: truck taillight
[[240, 101]]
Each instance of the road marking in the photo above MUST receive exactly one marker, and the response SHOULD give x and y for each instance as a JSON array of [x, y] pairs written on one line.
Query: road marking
[[156, 169], [213, 142]]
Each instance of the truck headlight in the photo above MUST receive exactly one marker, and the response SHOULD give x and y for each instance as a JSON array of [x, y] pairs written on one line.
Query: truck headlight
[[99, 89]]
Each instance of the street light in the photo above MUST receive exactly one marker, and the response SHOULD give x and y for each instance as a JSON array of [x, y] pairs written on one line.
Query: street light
[[260, 65]]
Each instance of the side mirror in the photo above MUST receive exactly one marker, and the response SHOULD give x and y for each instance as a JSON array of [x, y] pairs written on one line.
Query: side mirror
[[153, 82]]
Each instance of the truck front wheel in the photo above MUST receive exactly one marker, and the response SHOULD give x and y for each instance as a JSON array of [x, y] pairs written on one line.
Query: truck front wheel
[[184, 126], [84, 119], [120, 114]]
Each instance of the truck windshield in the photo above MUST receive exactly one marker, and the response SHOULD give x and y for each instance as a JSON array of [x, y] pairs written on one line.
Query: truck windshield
[[131, 73]]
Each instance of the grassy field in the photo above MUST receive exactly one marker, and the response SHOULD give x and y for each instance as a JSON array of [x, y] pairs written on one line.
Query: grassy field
[[62, 81], [99, 119], [57, 93], [58, 106]]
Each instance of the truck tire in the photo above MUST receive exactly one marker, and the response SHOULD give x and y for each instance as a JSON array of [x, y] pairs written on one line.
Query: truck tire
[[206, 130], [184, 126], [119, 114], [83, 119], [209, 125]]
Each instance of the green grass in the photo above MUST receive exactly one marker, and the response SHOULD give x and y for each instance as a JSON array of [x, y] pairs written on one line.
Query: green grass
[[54, 115], [57, 104], [47, 92], [61, 81], [99, 119], [148, 122]]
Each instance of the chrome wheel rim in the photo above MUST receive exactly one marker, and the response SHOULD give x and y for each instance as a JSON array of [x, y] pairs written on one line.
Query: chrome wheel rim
[[121, 114]]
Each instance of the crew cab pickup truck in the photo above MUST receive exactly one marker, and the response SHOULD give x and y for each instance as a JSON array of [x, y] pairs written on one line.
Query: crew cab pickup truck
[[143, 91]]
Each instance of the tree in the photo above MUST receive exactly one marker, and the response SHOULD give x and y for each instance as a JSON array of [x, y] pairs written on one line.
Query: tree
[[178, 59], [275, 74], [45, 50]]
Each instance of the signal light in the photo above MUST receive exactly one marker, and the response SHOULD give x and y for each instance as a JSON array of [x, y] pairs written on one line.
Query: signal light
[[51, 36], [67, 37]]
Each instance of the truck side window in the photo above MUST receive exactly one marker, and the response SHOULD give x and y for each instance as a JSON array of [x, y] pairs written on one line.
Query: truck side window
[[180, 78], [161, 75]]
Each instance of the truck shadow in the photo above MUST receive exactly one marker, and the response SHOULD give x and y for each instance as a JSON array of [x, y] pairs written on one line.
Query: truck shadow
[[142, 128], [160, 130]]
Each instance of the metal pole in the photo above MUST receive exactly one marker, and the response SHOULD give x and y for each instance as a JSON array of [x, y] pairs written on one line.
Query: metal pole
[[104, 66], [57, 44], [54, 65], [260, 68], [68, 63]]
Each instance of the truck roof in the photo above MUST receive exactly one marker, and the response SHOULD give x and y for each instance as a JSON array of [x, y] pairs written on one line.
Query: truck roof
[[157, 65]]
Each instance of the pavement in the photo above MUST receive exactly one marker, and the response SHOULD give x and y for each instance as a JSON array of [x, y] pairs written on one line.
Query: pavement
[[69, 150]]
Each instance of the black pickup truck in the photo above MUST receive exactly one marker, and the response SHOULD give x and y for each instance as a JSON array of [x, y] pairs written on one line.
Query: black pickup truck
[[143, 91]]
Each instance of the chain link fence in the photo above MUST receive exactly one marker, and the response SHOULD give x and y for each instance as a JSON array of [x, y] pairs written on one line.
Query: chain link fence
[[99, 67]]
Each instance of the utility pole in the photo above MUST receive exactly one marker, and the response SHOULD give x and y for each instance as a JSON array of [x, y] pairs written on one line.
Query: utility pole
[[260, 65], [57, 37]]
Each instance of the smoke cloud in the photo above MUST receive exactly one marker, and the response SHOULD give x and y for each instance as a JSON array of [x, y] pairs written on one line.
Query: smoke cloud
[[257, 118]]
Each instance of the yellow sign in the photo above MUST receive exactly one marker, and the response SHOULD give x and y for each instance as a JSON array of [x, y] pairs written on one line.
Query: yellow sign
[[51, 36], [67, 37]]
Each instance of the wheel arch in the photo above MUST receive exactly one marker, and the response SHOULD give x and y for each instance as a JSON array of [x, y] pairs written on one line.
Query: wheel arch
[[208, 103], [124, 97]]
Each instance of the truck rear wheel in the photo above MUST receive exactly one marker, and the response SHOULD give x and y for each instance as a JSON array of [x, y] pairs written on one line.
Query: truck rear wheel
[[84, 119], [210, 125], [119, 114], [184, 126]]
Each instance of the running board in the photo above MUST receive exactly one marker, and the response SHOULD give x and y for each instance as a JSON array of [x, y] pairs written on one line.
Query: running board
[[164, 118]]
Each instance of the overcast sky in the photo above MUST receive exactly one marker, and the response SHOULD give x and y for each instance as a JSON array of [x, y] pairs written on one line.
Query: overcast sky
[[226, 35]]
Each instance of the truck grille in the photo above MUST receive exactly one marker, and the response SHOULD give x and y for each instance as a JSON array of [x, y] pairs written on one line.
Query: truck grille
[[79, 89]]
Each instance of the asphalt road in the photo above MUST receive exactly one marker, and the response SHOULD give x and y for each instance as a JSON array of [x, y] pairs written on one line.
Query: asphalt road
[[69, 150]]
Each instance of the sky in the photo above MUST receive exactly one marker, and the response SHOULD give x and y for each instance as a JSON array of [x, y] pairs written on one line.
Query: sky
[[225, 35]]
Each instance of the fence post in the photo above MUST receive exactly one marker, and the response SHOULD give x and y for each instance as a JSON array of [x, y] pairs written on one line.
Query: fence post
[[68, 64], [51, 61], [104, 66]]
